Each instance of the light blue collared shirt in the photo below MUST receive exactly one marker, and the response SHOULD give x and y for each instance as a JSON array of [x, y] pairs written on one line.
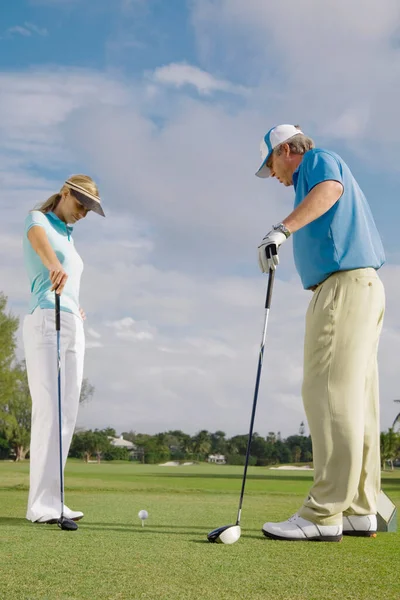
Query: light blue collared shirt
[[59, 236]]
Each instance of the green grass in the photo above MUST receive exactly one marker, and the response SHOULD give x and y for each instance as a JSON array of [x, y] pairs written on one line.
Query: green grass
[[111, 557]]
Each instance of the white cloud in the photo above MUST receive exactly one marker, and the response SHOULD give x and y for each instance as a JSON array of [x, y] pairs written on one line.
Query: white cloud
[[20, 30], [344, 79], [171, 284], [35, 106], [93, 344], [165, 349], [128, 329], [94, 334], [42, 31], [182, 74], [206, 377], [210, 347], [350, 125], [25, 30]]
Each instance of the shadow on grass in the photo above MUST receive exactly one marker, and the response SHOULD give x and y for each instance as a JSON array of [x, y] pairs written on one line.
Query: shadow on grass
[[392, 485], [118, 527], [391, 490], [243, 536], [262, 477], [181, 530], [86, 524], [14, 521], [146, 532], [138, 527]]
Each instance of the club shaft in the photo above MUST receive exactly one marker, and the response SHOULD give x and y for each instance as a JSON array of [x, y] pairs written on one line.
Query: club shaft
[[257, 385], [58, 327]]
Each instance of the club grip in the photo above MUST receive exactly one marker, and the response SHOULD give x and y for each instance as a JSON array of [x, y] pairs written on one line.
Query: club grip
[[58, 320], [271, 277]]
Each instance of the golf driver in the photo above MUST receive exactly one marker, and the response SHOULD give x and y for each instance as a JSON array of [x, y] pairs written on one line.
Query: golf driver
[[63, 522], [229, 534]]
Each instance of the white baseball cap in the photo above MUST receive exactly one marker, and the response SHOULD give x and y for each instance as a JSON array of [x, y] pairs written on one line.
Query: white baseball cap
[[275, 136]]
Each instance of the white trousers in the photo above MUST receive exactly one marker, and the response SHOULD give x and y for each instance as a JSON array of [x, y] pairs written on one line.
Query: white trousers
[[40, 343]]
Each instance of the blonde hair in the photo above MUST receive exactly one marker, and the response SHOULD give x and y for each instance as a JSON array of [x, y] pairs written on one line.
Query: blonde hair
[[84, 181]]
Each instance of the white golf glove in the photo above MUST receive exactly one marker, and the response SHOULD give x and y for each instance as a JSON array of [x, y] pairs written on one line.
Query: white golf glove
[[268, 250]]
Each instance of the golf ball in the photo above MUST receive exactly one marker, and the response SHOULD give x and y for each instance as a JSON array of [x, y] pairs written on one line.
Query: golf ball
[[143, 514]]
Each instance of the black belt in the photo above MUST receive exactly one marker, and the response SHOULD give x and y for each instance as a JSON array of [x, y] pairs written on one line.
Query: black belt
[[314, 287]]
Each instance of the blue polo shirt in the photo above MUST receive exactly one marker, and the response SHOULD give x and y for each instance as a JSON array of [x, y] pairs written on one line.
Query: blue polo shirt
[[59, 236], [345, 237]]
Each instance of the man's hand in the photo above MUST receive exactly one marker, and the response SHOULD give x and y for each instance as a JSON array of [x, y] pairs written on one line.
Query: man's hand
[[268, 250], [82, 313]]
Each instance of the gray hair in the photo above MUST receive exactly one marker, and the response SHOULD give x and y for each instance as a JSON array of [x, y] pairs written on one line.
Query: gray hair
[[298, 144]]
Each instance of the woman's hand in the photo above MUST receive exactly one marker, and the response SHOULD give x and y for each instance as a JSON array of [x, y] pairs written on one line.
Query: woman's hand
[[58, 278], [83, 314]]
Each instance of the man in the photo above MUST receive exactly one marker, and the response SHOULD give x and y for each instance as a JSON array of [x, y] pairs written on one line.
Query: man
[[337, 252]]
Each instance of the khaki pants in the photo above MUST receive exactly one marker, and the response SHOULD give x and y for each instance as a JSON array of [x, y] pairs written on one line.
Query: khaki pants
[[341, 395]]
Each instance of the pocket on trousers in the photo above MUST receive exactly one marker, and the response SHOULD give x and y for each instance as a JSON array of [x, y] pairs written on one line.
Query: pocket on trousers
[[48, 322], [314, 300], [367, 280], [33, 321], [326, 297]]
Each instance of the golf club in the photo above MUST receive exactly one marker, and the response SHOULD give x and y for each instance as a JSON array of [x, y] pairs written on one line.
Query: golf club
[[63, 522], [229, 534]]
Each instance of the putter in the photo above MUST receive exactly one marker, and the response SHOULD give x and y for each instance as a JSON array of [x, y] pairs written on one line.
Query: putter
[[229, 534], [62, 522]]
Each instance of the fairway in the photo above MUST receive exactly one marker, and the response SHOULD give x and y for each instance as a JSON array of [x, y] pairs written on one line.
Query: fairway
[[112, 557]]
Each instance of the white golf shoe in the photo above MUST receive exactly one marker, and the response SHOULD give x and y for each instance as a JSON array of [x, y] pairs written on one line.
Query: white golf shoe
[[360, 525], [297, 529], [48, 519], [74, 515]]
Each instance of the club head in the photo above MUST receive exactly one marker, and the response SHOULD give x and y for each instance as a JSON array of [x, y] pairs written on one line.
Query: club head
[[229, 534], [67, 524]]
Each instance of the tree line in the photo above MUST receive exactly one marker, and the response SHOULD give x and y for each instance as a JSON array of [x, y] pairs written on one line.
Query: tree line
[[175, 445]]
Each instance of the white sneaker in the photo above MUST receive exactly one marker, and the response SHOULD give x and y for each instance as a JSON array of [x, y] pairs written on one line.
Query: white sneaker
[[49, 519], [298, 529], [74, 515], [360, 525]]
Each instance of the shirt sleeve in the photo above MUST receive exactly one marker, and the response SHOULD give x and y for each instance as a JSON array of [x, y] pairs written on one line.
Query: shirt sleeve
[[35, 217], [322, 166]]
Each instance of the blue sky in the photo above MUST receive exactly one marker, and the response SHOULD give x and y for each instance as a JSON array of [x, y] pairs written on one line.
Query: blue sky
[[164, 103], [130, 36]]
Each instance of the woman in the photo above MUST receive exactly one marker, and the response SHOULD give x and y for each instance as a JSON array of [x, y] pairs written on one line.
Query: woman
[[53, 265]]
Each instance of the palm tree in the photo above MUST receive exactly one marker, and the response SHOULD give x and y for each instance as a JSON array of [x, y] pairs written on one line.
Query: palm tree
[[390, 446], [218, 442], [202, 443], [397, 419]]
